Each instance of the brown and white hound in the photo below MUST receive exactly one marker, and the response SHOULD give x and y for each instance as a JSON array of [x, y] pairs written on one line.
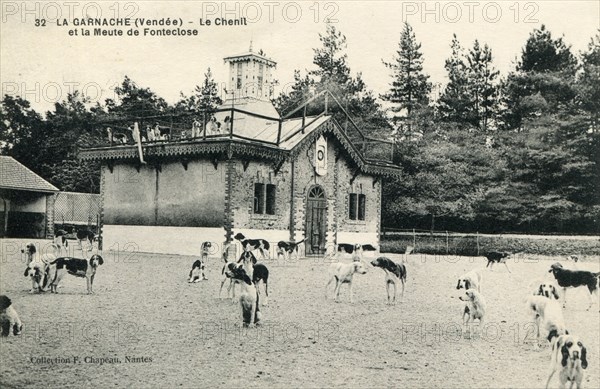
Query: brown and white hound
[[253, 244], [249, 298], [37, 267], [394, 274], [286, 248], [75, 266], [569, 359], [474, 309]]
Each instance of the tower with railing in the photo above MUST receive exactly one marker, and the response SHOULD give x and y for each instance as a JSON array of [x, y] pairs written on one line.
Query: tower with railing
[[249, 86]]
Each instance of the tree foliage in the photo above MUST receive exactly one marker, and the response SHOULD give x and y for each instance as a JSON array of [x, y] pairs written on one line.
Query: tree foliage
[[494, 154], [410, 87]]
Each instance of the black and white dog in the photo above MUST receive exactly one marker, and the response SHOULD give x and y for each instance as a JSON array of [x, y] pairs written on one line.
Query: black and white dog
[[575, 278], [497, 257], [355, 249], [226, 272], [197, 272], [394, 274], [9, 319], [253, 244], [249, 298], [257, 272], [37, 267], [76, 267], [569, 359], [199, 266], [85, 236], [286, 248], [60, 240]]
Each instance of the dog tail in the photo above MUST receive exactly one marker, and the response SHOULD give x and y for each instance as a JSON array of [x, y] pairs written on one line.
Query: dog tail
[[303, 239], [50, 277]]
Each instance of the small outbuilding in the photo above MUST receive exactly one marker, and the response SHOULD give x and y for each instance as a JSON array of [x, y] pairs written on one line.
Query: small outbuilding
[[26, 202]]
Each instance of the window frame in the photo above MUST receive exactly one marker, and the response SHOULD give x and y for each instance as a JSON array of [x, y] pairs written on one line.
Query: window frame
[[357, 206], [265, 199]]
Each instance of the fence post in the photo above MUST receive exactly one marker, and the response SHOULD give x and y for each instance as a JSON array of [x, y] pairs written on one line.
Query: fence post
[[477, 236], [447, 242], [414, 238]]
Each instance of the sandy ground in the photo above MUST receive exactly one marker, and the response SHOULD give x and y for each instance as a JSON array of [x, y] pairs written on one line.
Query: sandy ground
[[183, 335]]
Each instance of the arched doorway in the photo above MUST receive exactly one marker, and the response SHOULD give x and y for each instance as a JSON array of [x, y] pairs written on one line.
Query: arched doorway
[[316, 220]]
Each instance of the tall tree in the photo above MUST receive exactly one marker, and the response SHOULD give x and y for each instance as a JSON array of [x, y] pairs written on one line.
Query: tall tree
[[296, 94], [205, 97], [333, 73], [543, 81], [22, 132], [483, 87], [135, 101], [542, 53], [455, 103], [588, 84], [410, 86]]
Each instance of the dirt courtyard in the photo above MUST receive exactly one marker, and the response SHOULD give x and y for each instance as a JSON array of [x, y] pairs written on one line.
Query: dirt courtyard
[[147, 327]]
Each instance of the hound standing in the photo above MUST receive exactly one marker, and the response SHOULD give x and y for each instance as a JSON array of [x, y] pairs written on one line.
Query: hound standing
[[474, 309], [248, 299], [394, 274], [343, 273], [574, 279], [569, 358]]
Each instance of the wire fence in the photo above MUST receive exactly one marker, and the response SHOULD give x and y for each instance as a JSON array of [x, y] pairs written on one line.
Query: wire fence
[[74, 210], [477, 244]]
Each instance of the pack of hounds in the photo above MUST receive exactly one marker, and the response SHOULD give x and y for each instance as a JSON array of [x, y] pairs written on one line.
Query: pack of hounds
[[568, 354]]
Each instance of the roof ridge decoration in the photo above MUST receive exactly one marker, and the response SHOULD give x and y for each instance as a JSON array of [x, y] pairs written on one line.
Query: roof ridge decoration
[[238, 147]]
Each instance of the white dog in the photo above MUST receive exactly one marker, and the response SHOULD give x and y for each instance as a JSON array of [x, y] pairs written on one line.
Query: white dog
[[547, 314], [470, 280], [343, 273], [474, 309], [569, 358]]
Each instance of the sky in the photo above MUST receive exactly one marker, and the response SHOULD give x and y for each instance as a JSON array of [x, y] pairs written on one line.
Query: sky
[[43, 63]]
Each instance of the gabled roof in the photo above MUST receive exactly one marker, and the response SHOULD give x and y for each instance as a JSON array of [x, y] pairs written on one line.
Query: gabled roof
[[14, 175]]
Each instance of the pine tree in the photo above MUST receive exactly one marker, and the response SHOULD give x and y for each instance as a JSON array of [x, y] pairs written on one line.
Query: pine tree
[[410, 87], [455, 103], [205, 97], [332, 70], [544, 54], [299, 92], [543, 81], [483, 88], [332, 73], [589, 82]]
